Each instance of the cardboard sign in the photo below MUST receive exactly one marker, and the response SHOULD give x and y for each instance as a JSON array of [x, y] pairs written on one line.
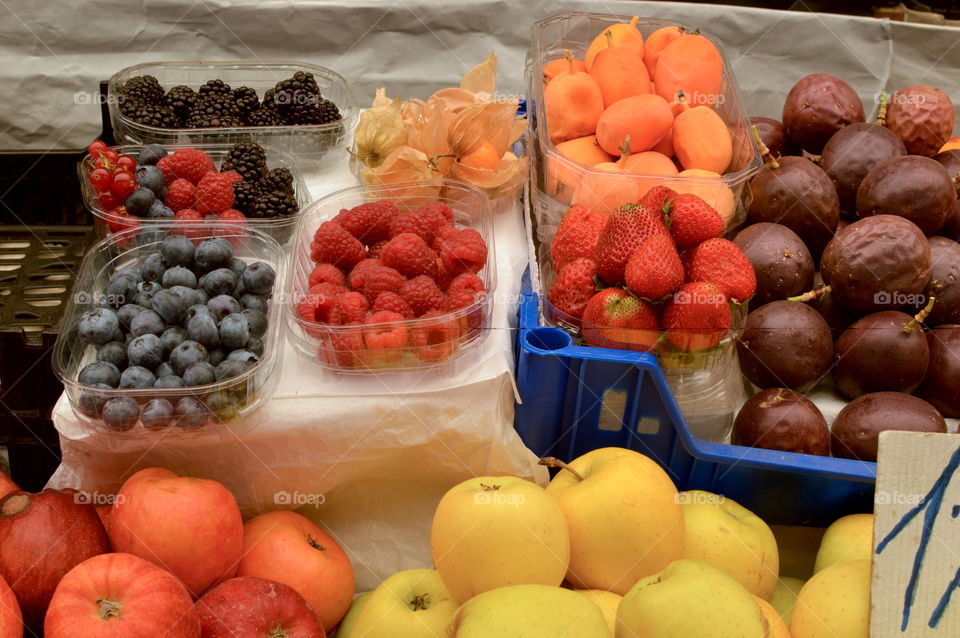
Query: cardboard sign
[[916, 563]]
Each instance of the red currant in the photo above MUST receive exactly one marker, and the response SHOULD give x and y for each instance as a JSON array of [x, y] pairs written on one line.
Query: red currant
[[124, 183], [109, 201], [104, 163], [111, 155], [96, 147], [127, 162], [101, 179]]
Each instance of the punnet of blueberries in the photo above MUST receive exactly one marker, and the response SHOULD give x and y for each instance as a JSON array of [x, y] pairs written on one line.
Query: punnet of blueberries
[[187, 316]]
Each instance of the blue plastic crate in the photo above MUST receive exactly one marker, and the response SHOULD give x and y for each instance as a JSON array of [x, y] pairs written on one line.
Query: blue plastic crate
[[576, 399]]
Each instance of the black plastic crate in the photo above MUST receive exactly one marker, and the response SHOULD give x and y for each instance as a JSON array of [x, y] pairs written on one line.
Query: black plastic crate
[[32, 460], [41, 188]]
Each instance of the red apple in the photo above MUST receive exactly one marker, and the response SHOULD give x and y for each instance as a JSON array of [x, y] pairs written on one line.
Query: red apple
[[189, 526], [121, 596], [11, 622], [290, 548], [251, 607], [7, 485], [42, 537]]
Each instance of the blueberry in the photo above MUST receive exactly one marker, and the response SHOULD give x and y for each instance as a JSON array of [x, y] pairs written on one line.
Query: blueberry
[[171, 306], [216, 357], [100, 373], [254, 302], [202, 296], [91, 402], [190, 413], [223, 305], [258, 278], [151, 268], [150, 177], [159, 210], [234, 331], [137, 378], [114, 352], [187, 293], [121, 289], [131, 272], [169, 381], [202, 281], [127, 313], [213, 253], [243, 355], [171, 338], [151, 154], [221, 281], [186, 353], [163, 370], [147, 322], [239, 289], [151, 236], [146, 350], [199, 309], [230, 368], [179, 276], [120, 413], [199, 373], [157, 413], [237, 265], [177, 250], [146, 292], [203, 329], [255, 345], [98, 326], [257, 321], [139, 202], [223, 406]]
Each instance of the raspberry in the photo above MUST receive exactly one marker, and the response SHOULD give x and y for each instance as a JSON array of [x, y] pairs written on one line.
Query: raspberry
[[422, 294], [421, 222], [165, 164], [327, 273], [181, 194], [370, 223], [359, 273], [189, 228], [381, 279], [319, 305], [232, 176], [435, 340], [465, 250], [443, 233], [214, 193], [189, 214], [410, 255], [191, 164], [385, 337], [377, 249], [231, 215], [394, 303], [473, 320], [353, 307], [332, 244], [344, 349], [442, 209], [458, 300], [466, 281]]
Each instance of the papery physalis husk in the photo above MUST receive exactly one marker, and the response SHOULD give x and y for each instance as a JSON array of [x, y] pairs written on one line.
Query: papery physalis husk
[[480, 123], [380, 131], [405, 164], [431, 135], [513, 170], [380, 98], [455, 99], [481, 80]]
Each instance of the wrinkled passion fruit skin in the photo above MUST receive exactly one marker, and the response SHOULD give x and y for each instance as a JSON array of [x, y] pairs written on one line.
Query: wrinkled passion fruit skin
[[774, 136], [940, 387], [798, 195], [916, 188], [944, 283], [921, 116], [877, 263], [876, 355], [785, 344], [856, 429], [852, 153], [818, 106], [780, 259], [784, 420]]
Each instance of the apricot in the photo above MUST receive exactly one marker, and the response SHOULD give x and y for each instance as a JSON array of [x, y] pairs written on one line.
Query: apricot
[[702, 140], [656, 43], [692, 64], [562, 178], [647, 163], [952, 144], [574, 104], [620, 72], [644, 118], [710, 187], [561, 65], [665, 146], [624, 35], [483, 156], [605, 188]]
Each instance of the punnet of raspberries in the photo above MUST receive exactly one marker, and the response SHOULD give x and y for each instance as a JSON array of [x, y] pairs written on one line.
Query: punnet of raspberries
[[654, 275], [186, 184], [389, 288]]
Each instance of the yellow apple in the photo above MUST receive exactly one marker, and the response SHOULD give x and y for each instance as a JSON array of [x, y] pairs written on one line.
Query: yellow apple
[[624, 518], [777, 628], [346, 625], [494, 531], [848, 538], [835, 602], [607, 601], [690, 599], [727, 535], [528, 611], [410, 604], [785, 595]]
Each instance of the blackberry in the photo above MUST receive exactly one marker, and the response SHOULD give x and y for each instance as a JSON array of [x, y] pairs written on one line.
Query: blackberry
[[273, 204], [215, 87], [279, 180], [245, 194], [317, 112], [182, 99], [329, 112], [248, 159], [264, 116], [154, 115], [301, 81], [297, 99], [143, 88], [214, 111], [247, 101]]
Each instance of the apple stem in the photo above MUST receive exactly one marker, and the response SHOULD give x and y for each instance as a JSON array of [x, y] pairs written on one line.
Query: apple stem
[[765, 153], [552, 461], [314, 544], [420, 602], [810, 295], [108, 609], [920, 317]]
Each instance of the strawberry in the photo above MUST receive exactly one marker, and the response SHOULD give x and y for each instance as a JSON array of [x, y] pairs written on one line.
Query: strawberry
[[693, 221], [577, 236], [626, 229], [697, 317], [722, 263], [654, 269], [574, 287], [660, 198], [613, 318]]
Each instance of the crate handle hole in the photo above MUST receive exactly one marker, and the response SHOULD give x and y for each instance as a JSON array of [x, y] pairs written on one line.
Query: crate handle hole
[[547, 338]]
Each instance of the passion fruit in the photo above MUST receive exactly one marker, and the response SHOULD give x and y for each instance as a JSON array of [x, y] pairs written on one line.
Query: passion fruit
[[780, 259], [857, 428], [921, 116], [818, 106], [916, 188], [774, 135], [854, 151]]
